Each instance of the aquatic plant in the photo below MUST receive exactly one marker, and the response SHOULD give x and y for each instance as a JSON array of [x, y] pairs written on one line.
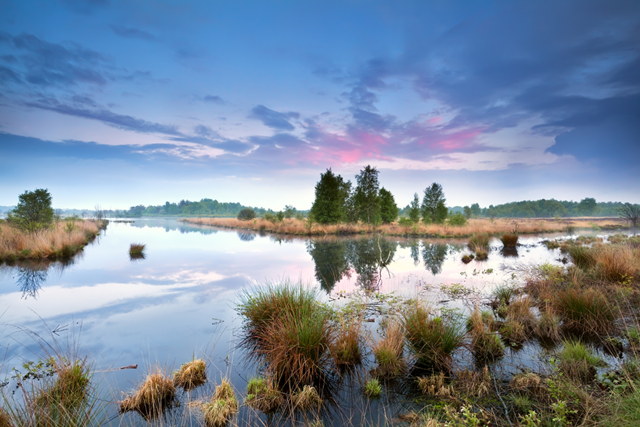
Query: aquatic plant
[[485, 344], [152, 397], [222, 406], [581, 256], [432, 339], [345, 347], [584, 309], [479, 242], [263, 395], [482, 256], [136, 249], [306, 399], [434, 385], [389, 351], [372, 388], [191, 375], [467, 258], [509, 240], [577, 361]]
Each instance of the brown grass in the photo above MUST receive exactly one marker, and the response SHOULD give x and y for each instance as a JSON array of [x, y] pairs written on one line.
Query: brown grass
[[509, 240], [191, 375], [345, 347], [52, 243], [222, 407], [154, 395], [435, 385], [616, 263], [474, 226], [389, 351], [306, 399]]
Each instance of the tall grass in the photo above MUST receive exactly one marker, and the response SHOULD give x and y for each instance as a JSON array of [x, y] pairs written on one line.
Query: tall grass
[[479, 242], [432, 339], [585, 310], [345, 347], [152, 398], [52, 243], [287, 327], [578, 362], [389, 351], [136, 249], [509, 240]]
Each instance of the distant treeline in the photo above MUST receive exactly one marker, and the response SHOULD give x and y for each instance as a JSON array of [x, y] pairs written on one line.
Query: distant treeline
[[205, 207], [543, 208]]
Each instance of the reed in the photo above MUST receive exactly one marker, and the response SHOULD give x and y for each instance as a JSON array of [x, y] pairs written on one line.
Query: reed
[[389, 351], [585, 310], [288, 329], [136, 249], [479, 242], [485, 344], [152, 398], [51, 243], [509, 240], [222, 406], [345, 346], [433, 339], [306, 399]]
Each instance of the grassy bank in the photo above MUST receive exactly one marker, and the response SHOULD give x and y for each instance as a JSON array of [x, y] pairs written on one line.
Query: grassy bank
[[62, 240], [474, 226]]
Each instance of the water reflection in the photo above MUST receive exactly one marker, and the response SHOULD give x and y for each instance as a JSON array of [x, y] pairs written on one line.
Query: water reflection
[[30, 275], [433, 255], [246, 237], [509, 252]]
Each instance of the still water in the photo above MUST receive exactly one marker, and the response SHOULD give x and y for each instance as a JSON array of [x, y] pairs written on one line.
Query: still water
[[180, 300]]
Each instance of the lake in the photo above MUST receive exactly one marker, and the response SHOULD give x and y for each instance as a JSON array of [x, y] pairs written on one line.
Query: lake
[[180, 300]]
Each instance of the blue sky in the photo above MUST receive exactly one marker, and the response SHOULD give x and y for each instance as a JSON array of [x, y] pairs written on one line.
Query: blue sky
[[141, 102]]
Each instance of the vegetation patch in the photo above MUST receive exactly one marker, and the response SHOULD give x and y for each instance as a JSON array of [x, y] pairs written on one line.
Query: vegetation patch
[[154, 395], [372, 388], [191, 375], [222, 406], [263, 395], [307, 399]]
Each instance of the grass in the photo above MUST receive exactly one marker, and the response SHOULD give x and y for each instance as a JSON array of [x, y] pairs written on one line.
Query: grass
[[434, 385], [585, 310], [288, 329], [432, 339], [52, 243], [482, 256], [578, 362], [372, 388], [582, 256], [263, 395], [479, 242], [306, 399], [345, 347], [388, 351], [152, 398], [136, 250], [548, 326], [222, 406], [191, 375], [624, 409], [467, 258], [509, 240], [485, 344]]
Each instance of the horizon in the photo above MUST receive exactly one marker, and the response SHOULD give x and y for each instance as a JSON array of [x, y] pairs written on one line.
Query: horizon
[[128, 103]]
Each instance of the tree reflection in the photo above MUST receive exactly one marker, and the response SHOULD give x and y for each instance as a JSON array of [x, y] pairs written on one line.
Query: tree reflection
[[30, 280], [246, 237], [433, 255], [336, 258]]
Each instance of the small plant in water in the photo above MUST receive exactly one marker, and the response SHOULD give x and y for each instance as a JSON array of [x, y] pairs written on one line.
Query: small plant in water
[[373, 388]]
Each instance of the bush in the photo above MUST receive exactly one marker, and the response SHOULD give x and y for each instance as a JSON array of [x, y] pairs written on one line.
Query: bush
[[458, 220], [33, 212], [246, 214]]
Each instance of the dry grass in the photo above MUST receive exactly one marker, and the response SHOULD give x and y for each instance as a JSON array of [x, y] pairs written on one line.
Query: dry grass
[[5, 419], [389, 351], [52, 243], [191, 375], [263, 395], [345, 347], [509, 240], [474, 226], [435, 385], [586, 310], [136, 249], [485, 344], [222, 407], [307, 399], [473, 383], [154, 395], [616, 263]]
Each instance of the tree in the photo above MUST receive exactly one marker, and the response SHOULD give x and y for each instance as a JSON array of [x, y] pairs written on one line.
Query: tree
[[33, 212], [433, 204], [289, 211], [414, 210], [587, 206], [366, 198], [475, 209], [630, 213], [246, 214], [331, 194], [467, 212], [388, 207]]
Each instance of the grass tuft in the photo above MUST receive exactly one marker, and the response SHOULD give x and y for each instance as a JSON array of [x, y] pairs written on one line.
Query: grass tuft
[[389, 351], [479, 242], [307, 399], [154, 395], [485, 344], [346, 344], [263, 395], [578, 362], [509, 240], [222, 406], [136, 250], [584, 310], [372, 388], [191, 375]]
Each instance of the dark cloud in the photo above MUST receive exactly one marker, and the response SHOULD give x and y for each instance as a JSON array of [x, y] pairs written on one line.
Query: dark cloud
[[215, 99], [103, 115], [132, 33], [273, 119]]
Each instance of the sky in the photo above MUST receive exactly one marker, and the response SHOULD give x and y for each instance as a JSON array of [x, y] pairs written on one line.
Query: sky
[[121, 103]]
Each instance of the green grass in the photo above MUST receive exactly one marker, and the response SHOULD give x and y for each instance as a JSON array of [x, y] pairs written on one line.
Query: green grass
[[373, 388], [624, 409], [584, 310], [479, 242], [582, 256], [577, 361], [432, 339]]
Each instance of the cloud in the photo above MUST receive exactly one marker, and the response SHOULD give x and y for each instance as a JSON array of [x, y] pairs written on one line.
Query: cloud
[[214, 99], [120, 121], [132, 33], [273, 119]]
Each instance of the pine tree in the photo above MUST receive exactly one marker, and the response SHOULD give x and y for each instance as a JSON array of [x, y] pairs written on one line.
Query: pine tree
[[388, 207], [433, 204], [331, 194], [414, 211], [366, 198]]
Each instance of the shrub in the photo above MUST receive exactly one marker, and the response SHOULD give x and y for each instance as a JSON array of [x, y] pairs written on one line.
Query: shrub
[[33, 211], [457, 220], [270, 217], [584, 310], [509, 240], [432, 339], [246, 214]]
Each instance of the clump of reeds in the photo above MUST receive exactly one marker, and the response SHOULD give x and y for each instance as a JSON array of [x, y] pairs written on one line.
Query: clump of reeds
[[584, 309], [578, 362], [582, 256], [154, 395], [389, 351], [479, 242], [69, 389], [519, 310], [485, 343], [346, 344], [222, 406], [306, 399], [372, 388], [467, 258], [432, 339], [136, 250], [615, 263], [191, 375], [263, 395], [435, 385], [473, 383], [548, 326], [482, 256], [289, 329], [509, 240], [5, 418]]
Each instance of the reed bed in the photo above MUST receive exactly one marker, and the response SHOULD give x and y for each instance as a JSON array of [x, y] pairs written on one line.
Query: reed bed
[[59, 241], [294, 226]]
